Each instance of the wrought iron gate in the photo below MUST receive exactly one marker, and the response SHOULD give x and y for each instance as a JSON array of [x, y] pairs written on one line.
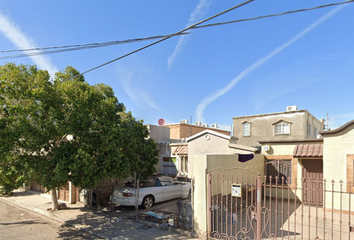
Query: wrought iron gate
[[242, 204], [234, 203]]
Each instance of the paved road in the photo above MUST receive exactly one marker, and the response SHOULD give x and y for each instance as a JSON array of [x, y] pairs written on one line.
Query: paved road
[[17, 223]]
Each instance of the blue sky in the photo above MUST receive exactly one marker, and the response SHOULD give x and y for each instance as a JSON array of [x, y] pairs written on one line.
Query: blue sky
[[212, 74]]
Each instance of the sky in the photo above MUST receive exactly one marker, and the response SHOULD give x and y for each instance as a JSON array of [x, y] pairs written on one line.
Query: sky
[[211, 74]]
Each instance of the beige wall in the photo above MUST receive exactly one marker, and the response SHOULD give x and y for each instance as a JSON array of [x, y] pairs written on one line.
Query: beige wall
[[338, 150], [262, 127], [335, 150], [206, 145]]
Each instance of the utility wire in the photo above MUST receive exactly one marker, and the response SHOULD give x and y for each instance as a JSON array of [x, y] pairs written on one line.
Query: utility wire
[[111, 43], [274, 15], [89, 45], [165, 38], [69, 48]]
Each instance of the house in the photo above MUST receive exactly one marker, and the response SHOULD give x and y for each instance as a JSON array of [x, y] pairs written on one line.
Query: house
[[173, 157], [210, 151], [329, 159], [210, 142], [289, 125]]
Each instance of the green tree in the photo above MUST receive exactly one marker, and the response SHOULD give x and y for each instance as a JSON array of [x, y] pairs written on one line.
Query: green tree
[[67, 130]]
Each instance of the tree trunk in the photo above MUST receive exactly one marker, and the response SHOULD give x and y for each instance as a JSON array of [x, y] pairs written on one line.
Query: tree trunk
[[55, 204]]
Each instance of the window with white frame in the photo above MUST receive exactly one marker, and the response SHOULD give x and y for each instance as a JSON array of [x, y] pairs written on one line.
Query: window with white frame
[[246, 129], [282, 128], [315, 132]]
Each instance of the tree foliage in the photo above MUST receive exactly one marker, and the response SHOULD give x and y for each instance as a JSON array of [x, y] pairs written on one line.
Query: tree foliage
[[67, 130]]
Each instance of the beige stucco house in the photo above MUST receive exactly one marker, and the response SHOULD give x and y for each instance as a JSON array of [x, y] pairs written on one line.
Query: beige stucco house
[[210, 142], [171, 139], [319, 162], [209, 151], [289, 125]]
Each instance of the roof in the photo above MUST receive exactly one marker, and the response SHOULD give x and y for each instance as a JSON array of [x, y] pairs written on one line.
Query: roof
[[208, 131], [241, 147], [308, 150], [272, 114], [181, 150]]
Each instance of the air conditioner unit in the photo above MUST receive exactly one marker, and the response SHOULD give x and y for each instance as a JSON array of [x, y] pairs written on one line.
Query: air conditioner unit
[[198, 123], [184, 121], [291, 108], [266, 148], [214, 125], [205, 125]]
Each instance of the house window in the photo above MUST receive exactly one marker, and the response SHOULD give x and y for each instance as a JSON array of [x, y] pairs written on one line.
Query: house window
[[246, 129], [315, 132], [278, 170], [309, 130], [282, 128]]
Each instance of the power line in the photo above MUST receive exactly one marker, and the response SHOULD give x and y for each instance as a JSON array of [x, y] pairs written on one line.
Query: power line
[[274, 15], [88, 44], [165, 38], [75, 47], [111, 43]]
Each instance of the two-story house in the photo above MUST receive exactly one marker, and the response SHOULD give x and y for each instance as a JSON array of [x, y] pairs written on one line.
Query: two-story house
[[292, 124]]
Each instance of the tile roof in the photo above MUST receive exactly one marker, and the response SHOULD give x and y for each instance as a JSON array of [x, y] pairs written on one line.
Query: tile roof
[[181, 150], [308, 150]]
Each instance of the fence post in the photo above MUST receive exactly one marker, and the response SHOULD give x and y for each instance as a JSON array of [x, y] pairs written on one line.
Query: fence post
[[259, 208], [209, 203]]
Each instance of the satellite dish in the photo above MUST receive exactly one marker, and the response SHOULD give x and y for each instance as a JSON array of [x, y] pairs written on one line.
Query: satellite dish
[[161, 122]]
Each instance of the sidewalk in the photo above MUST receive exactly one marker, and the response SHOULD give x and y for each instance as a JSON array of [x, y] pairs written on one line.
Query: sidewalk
[[116, 225]]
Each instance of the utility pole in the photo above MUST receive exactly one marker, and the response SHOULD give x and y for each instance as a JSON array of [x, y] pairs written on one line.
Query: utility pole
[[327, 122]]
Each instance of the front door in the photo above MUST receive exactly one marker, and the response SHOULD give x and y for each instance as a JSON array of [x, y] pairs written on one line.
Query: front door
[[312, 173]]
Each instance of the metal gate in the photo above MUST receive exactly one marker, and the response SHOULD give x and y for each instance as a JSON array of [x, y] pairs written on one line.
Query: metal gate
[[243, 204], [234, 203]]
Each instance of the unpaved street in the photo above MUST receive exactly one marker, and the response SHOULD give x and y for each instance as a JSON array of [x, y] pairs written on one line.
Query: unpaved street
[[17, 223]]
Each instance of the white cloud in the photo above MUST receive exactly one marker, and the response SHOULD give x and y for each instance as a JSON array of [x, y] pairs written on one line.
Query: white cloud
[[336, 121], [197, 13], [211, 98], [18, 38], [135, 90]]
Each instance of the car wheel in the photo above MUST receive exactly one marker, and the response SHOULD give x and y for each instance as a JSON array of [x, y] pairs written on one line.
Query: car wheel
[[148, 202]]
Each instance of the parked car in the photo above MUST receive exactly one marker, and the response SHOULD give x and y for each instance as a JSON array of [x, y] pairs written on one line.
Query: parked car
[[156, 189]]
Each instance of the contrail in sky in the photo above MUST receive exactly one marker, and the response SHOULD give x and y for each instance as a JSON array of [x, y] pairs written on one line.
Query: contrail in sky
[[198, 12], [17, 37], [211, 98]]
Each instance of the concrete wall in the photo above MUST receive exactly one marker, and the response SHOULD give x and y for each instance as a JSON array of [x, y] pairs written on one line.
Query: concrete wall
[[338, 150], [262, 127], [200, 197]]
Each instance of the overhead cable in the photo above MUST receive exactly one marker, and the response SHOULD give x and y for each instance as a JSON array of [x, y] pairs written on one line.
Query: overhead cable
[[68, 48], [167, 37], [274, 15], [111, 43]]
